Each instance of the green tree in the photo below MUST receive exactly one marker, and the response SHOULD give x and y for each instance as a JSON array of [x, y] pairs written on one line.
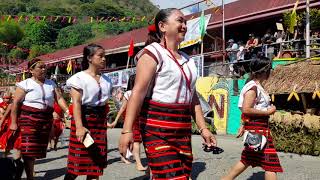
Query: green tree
[[17, 54], [74, 35], [12, 8], [314, 18], [114, 28], [38, 33], [10, 32], [38, 50], [301, 18], [101, 9]]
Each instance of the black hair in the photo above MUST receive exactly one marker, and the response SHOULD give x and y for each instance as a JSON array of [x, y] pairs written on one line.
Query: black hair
[[32, 63], [260, 65], [88, 52], [162, 16]]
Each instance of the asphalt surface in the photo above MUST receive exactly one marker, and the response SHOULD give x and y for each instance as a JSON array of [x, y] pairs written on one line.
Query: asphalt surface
[[206, 166]]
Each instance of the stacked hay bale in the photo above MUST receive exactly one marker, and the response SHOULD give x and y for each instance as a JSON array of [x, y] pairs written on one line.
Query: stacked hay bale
[[296, 133]]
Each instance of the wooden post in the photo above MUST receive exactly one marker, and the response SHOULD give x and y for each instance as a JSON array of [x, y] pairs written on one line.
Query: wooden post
[[128, 62], [304, 102], [235, 87]]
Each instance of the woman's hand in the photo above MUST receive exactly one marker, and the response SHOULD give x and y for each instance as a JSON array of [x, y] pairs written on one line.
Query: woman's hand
[[125, 142], [208, 138], [80, 132], [272, 110], [13, 126], [240, 131], [112, 125]]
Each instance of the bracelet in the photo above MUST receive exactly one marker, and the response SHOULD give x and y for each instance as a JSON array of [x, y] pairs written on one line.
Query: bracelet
[[126, 132], [200, 130]]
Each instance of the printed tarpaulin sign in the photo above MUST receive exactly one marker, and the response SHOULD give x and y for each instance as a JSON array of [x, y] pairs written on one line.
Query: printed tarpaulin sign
[[193, 34], [120, 78], [198, 60]]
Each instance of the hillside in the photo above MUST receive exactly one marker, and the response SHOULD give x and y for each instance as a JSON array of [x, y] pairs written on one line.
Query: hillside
[[77, 7], [41, 37]]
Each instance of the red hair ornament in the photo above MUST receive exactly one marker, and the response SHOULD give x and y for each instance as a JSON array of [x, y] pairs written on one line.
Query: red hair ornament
[[152, 28]]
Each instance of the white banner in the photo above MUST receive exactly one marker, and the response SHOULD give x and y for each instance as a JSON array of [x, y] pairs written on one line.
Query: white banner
[[193, 35]]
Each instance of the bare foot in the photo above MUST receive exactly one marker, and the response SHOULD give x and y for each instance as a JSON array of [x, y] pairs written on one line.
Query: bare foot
[[125, 160], [141, 168]]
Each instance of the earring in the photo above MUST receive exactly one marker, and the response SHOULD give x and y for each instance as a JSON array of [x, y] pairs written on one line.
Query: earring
[[165, 40]]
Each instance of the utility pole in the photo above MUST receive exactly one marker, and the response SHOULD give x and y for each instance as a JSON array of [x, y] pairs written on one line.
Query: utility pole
[[223, 34], [308, 29]]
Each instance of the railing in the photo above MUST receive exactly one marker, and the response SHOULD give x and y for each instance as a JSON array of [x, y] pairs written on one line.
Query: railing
[[288, 49], [7, 82]]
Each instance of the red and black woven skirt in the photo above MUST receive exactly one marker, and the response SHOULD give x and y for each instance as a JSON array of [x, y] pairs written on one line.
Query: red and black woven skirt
[[35, 126], [267, 159], [166, 135], [89, 161], [57, 127]]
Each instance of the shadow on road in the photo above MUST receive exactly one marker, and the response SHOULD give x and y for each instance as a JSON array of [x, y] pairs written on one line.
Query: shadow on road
[[114, 149], [49, 159], [257, 176], [52, 174], [141, 178], [111, 161], [197, 168]]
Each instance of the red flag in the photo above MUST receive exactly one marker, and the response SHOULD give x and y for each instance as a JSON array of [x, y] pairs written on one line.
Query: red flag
[[131, 48]]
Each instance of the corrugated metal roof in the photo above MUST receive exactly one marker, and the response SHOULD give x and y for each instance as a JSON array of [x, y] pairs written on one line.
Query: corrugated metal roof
[[235, 12], [246, 10], [139, 35]]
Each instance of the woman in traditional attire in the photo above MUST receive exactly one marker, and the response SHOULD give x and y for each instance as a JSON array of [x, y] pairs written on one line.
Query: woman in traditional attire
[[165, 97], [90, 91], [31, 113], [254, 103]]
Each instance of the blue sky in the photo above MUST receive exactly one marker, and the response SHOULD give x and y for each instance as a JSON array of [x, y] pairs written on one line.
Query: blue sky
[[181, 3]]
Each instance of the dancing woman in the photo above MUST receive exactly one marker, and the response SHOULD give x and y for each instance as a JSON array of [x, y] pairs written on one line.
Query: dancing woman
[[31, 111], [136, 129], [165, 114], [90, 91], [254, 103]]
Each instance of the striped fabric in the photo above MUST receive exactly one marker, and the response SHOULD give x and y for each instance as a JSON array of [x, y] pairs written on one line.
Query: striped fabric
[[35, 125], [136, 132], [89, 161], [268, 158], [58, 127], [166, 135], [8, 139]]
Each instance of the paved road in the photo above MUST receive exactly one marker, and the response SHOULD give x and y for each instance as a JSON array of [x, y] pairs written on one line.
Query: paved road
[[206, 166]]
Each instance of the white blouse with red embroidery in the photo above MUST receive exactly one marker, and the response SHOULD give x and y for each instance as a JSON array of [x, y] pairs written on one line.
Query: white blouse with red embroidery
[[263, 99], [93, 93], [170, 83], [38, 96]]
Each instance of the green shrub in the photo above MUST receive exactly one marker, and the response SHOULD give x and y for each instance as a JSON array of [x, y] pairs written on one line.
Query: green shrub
[[296, 133]]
